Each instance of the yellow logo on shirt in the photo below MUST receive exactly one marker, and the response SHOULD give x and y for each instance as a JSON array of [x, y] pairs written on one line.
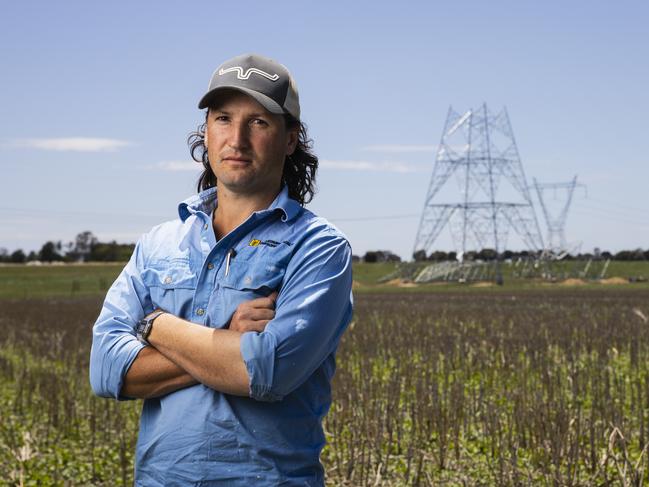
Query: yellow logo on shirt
[[269, 243]]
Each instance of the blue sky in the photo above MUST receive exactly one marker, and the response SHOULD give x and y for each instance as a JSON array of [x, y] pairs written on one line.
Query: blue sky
[[98, 98]]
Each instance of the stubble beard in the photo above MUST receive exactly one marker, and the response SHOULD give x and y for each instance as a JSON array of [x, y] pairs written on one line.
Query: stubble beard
[[246, 180]]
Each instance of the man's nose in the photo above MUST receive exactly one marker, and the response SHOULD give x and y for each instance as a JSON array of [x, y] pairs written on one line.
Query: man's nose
[[239, 136]]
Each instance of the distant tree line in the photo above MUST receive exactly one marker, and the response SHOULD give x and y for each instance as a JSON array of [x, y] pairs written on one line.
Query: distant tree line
[[84, 248], [373, 256], [491, 254]]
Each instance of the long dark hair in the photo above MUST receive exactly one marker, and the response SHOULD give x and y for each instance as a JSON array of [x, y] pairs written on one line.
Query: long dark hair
[[299, 168]]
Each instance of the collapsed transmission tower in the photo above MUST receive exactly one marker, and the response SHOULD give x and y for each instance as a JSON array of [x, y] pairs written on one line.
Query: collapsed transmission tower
[[478, 149], [556, 221]]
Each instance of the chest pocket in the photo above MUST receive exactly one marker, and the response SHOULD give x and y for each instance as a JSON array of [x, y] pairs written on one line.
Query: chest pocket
[[260, 276], [247, 279], [171, 284]]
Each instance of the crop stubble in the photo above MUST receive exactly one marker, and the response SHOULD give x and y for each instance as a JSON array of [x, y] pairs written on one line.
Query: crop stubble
[[431, 389]]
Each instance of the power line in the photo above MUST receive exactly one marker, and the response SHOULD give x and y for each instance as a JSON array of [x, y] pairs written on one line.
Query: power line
[[374, 218], [613, 212], [616, 218]]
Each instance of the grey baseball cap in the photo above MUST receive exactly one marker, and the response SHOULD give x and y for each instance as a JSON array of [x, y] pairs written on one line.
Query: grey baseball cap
[[267, 81]]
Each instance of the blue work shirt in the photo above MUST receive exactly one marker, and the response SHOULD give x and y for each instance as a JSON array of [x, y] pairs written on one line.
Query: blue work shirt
[[200, 436]]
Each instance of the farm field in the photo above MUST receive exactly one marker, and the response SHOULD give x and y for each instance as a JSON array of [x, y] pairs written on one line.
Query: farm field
[[534, 385], [72, 280]]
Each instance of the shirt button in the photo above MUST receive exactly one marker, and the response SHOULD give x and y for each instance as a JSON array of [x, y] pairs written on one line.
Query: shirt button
[[167, 280], [210, 266], [200, 311], [205, 227]]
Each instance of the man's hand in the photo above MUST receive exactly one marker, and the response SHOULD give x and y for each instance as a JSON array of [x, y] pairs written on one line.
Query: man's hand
[[254, 315]]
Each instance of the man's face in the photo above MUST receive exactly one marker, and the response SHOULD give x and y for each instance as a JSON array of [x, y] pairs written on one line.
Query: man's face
[[246, 145]]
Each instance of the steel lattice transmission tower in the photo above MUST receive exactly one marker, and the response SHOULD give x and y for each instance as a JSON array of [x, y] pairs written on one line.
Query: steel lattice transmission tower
[[479, 151], [556, 221]]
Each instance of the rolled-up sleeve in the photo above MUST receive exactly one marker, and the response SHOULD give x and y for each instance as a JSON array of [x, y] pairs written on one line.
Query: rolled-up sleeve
[[114, 344], [313, 309]]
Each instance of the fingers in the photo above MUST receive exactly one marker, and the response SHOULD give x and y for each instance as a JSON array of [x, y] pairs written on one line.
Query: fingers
[[246, 313], [245, 326], [242, 324], [267, 302], [254, 315]]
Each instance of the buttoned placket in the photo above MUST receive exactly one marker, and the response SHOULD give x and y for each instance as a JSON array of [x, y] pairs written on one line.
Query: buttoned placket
[[215, 256], [205, 286]]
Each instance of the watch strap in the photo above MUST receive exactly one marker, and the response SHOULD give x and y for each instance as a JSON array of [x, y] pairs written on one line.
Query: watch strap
[[144, 326]]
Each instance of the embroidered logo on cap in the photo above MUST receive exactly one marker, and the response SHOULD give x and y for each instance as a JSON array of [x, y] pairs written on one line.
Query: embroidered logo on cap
[[246, 75]]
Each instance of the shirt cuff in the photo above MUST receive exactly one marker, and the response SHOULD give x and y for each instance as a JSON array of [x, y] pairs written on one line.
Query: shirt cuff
[[258, 352], [131, 349]]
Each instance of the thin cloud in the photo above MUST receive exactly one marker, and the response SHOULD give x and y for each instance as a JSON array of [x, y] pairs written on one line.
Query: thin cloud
[[74, 144], [399, 148], [177, 166], [347, 165]]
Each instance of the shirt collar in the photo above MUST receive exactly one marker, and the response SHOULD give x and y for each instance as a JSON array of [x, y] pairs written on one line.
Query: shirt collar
[[206, 202]]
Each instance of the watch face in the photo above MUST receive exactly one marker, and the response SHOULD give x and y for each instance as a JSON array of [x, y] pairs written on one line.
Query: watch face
[[141, 329]]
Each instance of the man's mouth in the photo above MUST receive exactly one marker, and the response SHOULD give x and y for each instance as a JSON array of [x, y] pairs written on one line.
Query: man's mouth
[[237, 159]]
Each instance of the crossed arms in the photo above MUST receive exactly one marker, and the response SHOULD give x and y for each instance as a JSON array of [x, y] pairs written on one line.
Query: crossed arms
[[183, 353], [263, 359]]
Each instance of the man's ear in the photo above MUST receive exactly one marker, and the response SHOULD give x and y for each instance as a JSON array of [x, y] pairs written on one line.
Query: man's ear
[[291, 141]]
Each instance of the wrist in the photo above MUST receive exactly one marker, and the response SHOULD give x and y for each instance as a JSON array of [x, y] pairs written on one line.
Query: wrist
[[145, 326]]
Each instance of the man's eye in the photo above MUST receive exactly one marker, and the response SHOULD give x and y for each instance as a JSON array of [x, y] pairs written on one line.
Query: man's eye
[[221, 118], [259, 121]]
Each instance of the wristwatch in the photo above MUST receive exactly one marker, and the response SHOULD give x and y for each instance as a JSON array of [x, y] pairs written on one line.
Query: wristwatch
[[144, 326]]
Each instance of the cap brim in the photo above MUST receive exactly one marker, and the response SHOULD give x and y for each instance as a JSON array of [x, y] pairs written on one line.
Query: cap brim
[[268, 103]]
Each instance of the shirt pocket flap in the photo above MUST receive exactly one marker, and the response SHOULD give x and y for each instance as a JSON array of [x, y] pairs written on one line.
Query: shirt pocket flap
[[169, 276], [253, 275]]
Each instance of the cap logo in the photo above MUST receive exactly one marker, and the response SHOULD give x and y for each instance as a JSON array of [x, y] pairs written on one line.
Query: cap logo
[[241, 74]]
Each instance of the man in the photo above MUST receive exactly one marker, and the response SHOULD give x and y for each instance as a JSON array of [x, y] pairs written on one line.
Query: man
[[226, 321]]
